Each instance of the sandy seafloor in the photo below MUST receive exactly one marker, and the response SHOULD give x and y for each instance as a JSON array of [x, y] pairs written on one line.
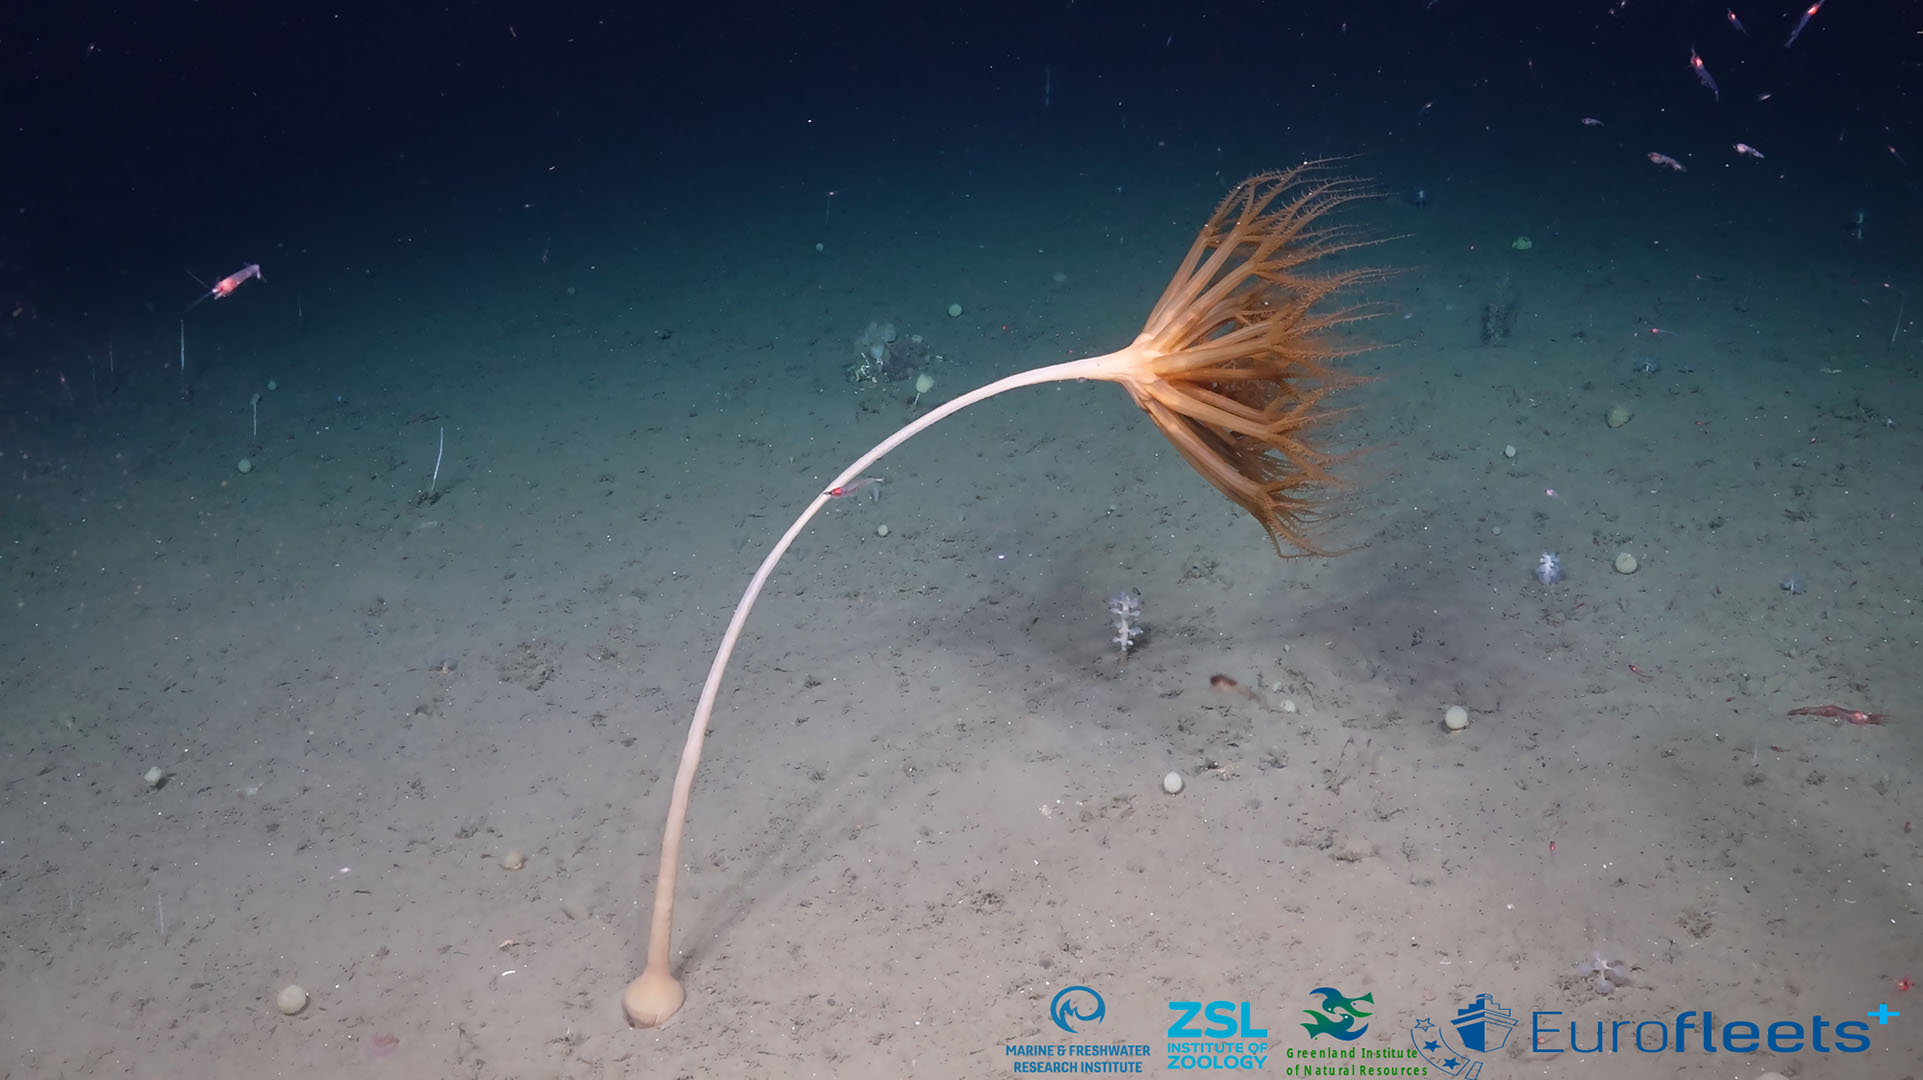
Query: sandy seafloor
[[932, 795]]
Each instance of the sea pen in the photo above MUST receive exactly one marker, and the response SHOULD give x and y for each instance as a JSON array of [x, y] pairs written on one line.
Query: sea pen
[[442, 449], [183, 346], [161, 907]]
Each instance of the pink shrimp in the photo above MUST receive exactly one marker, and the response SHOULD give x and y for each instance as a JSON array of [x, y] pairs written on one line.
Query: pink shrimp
[[226, 286], [852, 486], [1703, 76], [1802, 22]]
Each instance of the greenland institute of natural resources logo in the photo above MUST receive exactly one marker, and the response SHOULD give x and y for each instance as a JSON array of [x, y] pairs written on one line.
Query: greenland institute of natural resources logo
[[1343, 1018]]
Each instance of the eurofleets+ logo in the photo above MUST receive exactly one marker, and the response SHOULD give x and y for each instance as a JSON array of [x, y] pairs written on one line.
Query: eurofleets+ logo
[[1482, 1027]]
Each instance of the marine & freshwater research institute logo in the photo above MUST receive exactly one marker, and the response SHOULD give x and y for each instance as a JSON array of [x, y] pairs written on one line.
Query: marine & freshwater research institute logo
[[1076, 1010]]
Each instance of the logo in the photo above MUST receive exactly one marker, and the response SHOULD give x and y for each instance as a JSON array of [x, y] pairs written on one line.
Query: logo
[[1343, 1017], [1483, 1027], [1068, 1005], [1073, 1005], [1656, 1035], [1335, 1001], [1215, 1035]]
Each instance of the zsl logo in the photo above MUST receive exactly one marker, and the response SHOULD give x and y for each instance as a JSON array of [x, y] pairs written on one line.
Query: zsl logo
[[1224, 1023]]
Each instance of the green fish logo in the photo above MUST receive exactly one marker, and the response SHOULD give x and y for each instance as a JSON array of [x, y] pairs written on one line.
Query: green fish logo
[[1335, 1001]]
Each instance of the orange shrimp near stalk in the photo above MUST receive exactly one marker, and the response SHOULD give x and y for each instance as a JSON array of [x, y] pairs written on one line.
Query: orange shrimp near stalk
[[225, 286]]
